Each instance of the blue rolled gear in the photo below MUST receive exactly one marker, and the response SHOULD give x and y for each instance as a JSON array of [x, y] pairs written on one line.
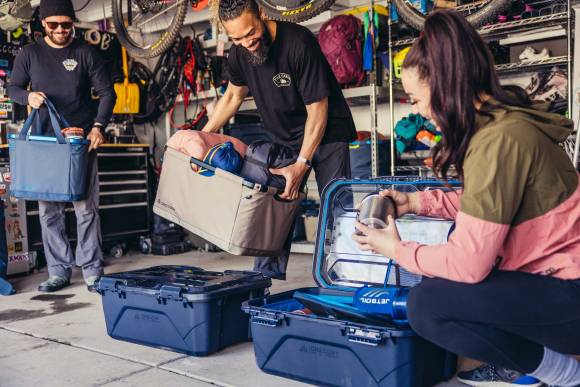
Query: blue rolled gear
[[222, 156]]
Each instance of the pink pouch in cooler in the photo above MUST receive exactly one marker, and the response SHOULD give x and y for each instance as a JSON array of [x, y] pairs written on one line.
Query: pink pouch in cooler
[[196, 144]]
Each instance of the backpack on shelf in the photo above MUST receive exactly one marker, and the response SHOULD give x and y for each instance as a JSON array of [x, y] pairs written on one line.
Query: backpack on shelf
[[340, 39]]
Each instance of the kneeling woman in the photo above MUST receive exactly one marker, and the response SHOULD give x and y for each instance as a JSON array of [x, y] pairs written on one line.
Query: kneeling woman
[[505, 289]]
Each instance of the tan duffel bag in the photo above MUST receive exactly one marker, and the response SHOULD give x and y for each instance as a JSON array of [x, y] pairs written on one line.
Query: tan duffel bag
[[239, 217]]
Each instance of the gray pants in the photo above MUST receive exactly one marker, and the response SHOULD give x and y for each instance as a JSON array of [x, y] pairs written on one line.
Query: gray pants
[[59, 256], [331, 161]]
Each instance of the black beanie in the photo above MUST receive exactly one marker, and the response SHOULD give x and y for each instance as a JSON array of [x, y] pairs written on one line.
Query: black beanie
[[56, 8]]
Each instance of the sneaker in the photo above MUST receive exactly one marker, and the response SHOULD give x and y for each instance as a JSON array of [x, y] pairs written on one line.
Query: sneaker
[[90, 281], [53, 283], [489, 375], [530, 54]]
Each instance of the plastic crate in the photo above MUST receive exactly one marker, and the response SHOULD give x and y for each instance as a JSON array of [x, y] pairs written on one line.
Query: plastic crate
[[180, 308], [335, 351]]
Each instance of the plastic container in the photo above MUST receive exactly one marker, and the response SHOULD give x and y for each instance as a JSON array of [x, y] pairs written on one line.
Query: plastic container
[[180, 308], [292, 342], [360, 158]]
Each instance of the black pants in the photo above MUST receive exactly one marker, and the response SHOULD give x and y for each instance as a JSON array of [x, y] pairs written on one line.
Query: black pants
[[330, 162], [506, 320]]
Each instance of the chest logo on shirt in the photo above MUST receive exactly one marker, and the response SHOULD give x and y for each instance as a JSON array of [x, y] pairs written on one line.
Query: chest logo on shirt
[[282, 80], [70, 64]]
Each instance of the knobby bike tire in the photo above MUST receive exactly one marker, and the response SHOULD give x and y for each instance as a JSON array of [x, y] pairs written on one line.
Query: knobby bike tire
[[488, 12], [294, 14], [161, 45]]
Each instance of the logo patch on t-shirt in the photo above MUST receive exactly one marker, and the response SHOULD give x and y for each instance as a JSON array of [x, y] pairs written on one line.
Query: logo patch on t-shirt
[[70, 64], [282, 80]]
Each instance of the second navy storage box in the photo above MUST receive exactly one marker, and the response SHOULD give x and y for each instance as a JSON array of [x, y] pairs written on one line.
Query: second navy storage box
[[292, 341], [180, 308]]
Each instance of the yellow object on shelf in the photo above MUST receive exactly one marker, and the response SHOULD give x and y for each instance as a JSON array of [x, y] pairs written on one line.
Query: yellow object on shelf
[[127, 93], [380, 9], [398, 60]]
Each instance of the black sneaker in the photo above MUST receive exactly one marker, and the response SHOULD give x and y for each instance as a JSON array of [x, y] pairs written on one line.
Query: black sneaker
[[53, 283], [91, 281], [489, 375]]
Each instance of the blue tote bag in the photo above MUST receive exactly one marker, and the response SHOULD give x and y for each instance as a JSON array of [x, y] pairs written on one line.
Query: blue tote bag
[[48, 168]]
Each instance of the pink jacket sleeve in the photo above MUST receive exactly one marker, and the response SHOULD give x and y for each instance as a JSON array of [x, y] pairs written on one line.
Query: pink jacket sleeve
[[439, 204], [468, 256]]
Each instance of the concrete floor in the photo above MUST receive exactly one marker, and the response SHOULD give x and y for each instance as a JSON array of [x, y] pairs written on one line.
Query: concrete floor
[[60, 339]]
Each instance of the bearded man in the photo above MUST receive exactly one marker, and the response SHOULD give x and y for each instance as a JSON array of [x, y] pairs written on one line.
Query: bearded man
[[296, 94], [63, 69]]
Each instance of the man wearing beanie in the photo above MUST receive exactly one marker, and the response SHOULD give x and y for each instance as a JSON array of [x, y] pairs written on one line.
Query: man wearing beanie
[[63, 69]]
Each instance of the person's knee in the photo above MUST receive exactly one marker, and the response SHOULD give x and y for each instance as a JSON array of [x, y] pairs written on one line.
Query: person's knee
[[424, 307]]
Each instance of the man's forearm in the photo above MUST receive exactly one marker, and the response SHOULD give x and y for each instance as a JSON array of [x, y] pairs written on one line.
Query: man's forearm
[[106, 106], [18, 94], [225, 109], [314, 128]]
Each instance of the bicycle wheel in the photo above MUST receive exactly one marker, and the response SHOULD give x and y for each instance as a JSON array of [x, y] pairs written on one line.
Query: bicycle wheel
[[487, 12], [294, 10], [134, 21]]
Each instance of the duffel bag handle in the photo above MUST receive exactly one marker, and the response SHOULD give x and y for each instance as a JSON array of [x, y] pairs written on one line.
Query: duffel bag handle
[[249, 184], [211, 168], [55, 119], [202, 164]]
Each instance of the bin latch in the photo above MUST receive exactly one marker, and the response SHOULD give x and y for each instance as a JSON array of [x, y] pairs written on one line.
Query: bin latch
[[107, 284], [269, 319], [363, 335], [170, 292]]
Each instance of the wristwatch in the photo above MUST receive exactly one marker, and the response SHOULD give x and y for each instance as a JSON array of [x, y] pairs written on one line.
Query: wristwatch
[[304, 160]]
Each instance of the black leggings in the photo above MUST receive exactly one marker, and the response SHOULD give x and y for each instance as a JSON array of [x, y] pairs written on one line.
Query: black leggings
[[506, 320]]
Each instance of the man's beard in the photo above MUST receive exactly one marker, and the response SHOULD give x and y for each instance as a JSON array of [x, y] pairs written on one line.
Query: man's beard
[[58, 41], [260, 56]]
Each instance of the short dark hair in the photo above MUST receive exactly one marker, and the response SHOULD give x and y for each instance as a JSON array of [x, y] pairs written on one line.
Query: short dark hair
[[232, 9]]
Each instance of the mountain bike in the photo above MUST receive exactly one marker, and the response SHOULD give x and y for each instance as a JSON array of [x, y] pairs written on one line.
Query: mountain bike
[[134, 19]]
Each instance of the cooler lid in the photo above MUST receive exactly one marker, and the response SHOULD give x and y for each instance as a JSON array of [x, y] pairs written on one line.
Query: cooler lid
[[339, 263], [13, 136], [179, 279]]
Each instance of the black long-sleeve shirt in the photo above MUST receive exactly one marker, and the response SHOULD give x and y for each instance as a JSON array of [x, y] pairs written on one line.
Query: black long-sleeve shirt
[[65, 75]]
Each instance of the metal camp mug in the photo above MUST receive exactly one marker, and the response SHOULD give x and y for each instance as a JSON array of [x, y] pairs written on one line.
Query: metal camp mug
[[374, 211]]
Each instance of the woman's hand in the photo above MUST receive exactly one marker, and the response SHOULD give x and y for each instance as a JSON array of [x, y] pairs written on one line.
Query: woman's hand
[[406, 202], [381, 241]]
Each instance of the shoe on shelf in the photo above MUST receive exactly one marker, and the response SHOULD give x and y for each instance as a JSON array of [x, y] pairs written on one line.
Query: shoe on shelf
[[90, 281], [530, 54], [53, 283], [489, 375]]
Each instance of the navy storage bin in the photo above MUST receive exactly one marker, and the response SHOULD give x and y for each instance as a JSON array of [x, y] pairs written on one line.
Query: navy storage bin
[[360, 158], [180, 308], [324, 350]]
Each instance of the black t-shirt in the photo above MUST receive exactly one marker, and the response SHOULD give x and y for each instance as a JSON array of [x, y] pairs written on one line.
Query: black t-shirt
[[65, 75], [296, 74]]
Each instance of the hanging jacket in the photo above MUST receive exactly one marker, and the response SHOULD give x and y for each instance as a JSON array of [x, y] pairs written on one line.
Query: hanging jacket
[[520, 207]]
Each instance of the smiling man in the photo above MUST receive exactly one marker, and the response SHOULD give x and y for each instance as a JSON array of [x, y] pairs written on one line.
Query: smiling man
[[63, 69], [297, 96]]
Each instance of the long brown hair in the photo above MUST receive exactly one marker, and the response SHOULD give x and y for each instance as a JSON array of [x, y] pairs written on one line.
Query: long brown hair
[[459, 69]]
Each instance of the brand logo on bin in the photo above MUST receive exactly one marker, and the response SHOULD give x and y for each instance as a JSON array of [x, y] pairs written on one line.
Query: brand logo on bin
[[147, 318], [317, 350]]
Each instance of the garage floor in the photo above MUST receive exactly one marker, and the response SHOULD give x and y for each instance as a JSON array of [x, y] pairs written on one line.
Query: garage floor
[[60, 339]]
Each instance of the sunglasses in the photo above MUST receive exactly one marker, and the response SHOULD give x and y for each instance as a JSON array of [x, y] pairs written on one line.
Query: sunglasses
[[54, 25]]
